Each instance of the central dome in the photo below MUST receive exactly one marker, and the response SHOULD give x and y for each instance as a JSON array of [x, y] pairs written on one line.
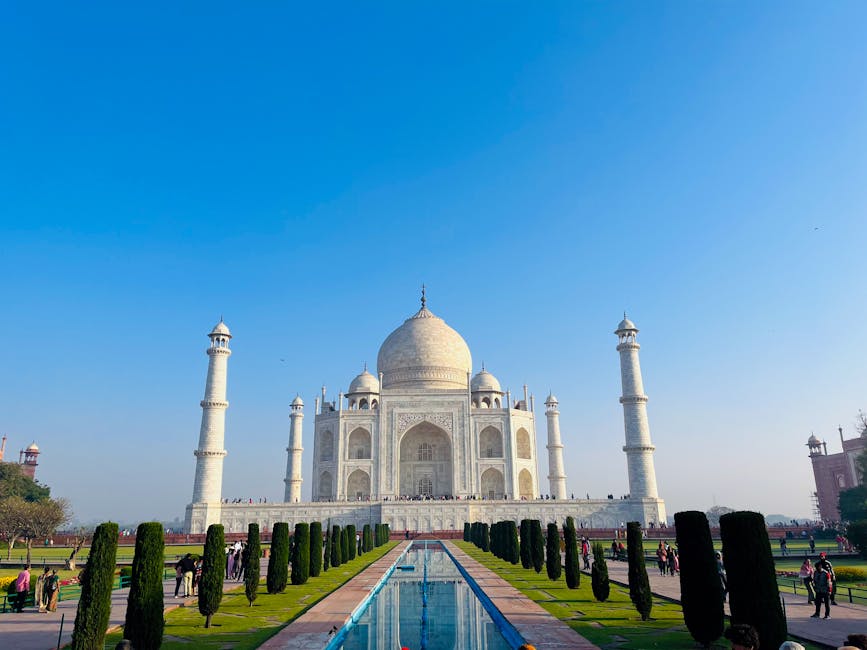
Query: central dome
[[424, 352]]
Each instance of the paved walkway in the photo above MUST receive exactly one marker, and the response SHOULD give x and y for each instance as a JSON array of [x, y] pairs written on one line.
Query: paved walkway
[[31, 630], [845, 618]]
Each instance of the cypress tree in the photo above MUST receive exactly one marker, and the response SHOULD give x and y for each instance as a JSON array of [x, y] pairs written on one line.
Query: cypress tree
[[335, 546], [278, 565], [377, 535], [213, 572], [639, 585], [251, 563], [344, 545], [466, 531], [573, 573], [486, 541], [552, 561], [754, 597], [366, 539], [144, 622], [387, 534], [315, 548], [97, 580], [351, 542], [512, 541], [301, 554], [326, 562], [537, 545], [599, 574], [700, 586], [526, 555]]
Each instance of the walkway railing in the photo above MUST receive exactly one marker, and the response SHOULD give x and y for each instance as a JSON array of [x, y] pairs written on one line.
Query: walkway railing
[[855, 595], [68, 592]]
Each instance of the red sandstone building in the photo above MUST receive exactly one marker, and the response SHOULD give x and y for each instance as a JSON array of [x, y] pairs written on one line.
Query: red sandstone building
[[834, 472], [27, 458]]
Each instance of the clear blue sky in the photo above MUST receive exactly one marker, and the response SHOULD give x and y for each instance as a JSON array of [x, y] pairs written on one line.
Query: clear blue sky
[[541, 166]]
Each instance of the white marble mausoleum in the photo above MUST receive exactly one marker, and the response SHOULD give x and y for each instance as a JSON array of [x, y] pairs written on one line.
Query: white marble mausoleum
[[424, 445]]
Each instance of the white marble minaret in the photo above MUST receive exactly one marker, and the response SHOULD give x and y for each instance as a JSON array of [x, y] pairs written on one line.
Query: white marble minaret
[[293, 462], [638, 448], [556, 472], [207, 488]]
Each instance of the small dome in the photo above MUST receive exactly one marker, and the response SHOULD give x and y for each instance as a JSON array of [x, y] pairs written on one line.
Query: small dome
[[297, 401], [221, 328], [813, 441], [552, 399], [364, 383], [32, 447], [485, 382], [625, 325]]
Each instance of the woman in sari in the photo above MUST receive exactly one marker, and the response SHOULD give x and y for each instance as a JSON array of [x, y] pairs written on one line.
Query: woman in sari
[[52, 590], [39, 597]]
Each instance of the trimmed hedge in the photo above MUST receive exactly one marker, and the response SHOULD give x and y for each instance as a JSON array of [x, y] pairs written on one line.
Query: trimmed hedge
[[278, 565], [639, 585], [466, 531], [97, 580], [526, 556], [754, 598], [599, 574], [144, 622], [537, 545], [351, 542], [213, 572], [301, 554], [326, 561], [700, 586], [251, 563], [552, 546], [315, 548], [335, 546], [573, 573]]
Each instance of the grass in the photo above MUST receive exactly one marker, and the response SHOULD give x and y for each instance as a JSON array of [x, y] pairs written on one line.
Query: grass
[[124, 553], [241, 627], [611, 625]]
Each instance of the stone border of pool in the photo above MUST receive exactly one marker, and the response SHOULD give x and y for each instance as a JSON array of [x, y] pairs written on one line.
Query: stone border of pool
[[318, 624], [532, 622]]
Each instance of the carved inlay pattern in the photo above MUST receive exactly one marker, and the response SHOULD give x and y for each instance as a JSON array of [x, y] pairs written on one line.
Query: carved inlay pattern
[[407, 420]]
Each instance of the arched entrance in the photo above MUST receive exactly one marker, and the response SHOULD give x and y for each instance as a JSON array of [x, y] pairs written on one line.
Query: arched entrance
[[493, 484], [425, 462]]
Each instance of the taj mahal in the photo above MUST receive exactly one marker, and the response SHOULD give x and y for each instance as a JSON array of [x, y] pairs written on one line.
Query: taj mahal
[[425, 445]]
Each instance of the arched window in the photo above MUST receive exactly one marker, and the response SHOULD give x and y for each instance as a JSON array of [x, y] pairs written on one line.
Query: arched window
[[374, 404], [325, 486], [326, 446], [359, 444], [522, 438], [525, 484], [425, 451], [363, 404], [490, 443], [425, 487]]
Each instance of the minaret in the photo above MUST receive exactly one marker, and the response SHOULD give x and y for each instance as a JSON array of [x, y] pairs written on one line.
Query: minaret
[[293, 462], [556, 472], [210, 454], [638, 448]]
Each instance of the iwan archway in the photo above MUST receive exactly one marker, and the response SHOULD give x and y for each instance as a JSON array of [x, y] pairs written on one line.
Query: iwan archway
[[425, 464]]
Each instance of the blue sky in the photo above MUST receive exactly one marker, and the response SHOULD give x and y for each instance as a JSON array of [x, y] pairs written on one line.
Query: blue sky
[[540, 166]]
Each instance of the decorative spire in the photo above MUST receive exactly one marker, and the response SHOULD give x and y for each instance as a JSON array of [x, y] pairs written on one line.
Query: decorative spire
[[365, 366], [423, 298]]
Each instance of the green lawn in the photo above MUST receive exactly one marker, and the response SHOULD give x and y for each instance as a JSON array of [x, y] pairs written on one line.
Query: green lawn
[[124, 553], [241, 627], [611, 625]]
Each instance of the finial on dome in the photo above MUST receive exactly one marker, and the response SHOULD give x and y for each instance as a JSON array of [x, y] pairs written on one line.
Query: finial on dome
[[365, 366], [423, 297], [483, 366]]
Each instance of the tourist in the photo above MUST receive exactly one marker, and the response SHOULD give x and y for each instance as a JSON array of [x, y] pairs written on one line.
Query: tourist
[[585, 551], [784, 550], [228, 551], [806, 575], [22, 588], [614, 549], [179, 578], [822, 585], [791, 645], [239, 562], [812, 545], [721, 570], [858, 641], [823, 559], [673, 561], [39, 596], [661, 559], [52, 591], [743, 637], [187, 567], [197, 576]]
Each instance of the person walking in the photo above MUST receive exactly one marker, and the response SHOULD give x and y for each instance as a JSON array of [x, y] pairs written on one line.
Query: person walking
[[822, 585], [661, 559], [52, 591], [806, 575], [179, 578], [812, 545], [39, 596], [721, 570], [585, 551], [197, 576], [823, 559], [187, 567], [22, 588]]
